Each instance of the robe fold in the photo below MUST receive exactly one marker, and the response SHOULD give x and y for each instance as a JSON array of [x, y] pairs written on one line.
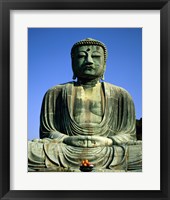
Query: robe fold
[[57, 122]]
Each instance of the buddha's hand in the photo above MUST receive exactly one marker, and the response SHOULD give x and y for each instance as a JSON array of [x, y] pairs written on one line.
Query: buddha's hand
[[87, 141], [78, 141], [98, 141]]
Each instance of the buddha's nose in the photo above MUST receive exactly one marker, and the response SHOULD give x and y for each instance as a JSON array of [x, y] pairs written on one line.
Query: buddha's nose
[[89, 60]]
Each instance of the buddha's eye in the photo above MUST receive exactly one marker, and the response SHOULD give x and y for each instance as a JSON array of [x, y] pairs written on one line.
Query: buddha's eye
[[96, 56], [81, 55]]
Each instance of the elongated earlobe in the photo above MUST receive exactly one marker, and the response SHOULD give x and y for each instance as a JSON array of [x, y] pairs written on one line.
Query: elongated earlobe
[[102, 77], [74, 77]]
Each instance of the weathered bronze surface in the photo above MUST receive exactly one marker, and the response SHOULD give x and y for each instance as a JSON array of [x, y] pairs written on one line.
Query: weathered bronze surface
[[86, 119]]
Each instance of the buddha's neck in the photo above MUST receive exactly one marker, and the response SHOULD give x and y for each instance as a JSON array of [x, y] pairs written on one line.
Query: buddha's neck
[[88, 83]]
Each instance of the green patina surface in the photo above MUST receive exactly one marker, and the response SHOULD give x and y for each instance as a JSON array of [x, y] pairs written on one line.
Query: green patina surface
[[87, 119]]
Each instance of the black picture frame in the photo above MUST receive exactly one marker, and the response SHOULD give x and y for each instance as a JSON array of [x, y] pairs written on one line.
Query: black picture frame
[[5, 7]]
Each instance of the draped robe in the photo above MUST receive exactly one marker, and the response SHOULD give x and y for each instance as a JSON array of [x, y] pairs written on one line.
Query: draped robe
[[57, 121]]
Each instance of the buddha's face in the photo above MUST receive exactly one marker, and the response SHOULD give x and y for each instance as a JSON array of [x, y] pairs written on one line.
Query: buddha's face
[[88, 62]]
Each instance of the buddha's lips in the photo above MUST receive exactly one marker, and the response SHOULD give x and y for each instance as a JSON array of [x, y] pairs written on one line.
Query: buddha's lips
[[89, 67]]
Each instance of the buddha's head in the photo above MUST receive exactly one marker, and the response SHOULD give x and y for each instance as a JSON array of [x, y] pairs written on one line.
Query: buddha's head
[[88, 59]]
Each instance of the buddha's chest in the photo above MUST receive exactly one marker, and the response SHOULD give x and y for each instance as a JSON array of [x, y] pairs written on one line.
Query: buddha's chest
[[88, 105]]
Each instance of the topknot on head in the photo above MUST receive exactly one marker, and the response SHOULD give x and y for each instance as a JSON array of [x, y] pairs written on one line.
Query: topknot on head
[[89, 41]]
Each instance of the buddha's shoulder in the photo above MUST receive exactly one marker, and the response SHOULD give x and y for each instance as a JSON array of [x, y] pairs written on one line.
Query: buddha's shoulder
[[59, 87], [117, 89]]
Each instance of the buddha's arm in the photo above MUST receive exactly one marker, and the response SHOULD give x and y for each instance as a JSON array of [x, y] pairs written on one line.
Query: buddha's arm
[[48, 122], [126, 127]]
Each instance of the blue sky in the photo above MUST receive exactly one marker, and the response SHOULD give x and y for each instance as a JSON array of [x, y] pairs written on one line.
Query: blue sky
[[49, 63]]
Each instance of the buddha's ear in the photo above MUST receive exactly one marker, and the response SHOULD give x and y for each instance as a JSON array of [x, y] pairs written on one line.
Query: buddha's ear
[[72, 63], [74, 76], [102, 77]]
